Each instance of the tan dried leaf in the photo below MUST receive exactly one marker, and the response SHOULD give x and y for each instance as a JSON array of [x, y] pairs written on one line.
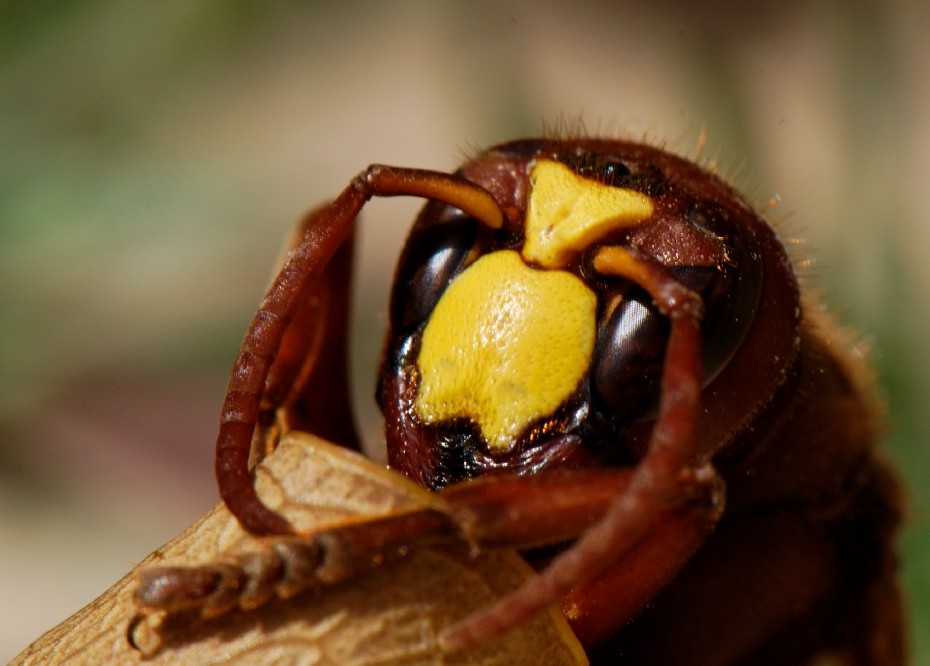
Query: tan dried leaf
[[391, 616]]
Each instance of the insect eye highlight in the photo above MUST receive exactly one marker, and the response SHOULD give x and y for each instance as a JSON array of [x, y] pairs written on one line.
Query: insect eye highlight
[[604, 169], [628, 359], [430, 261], [613, 171]]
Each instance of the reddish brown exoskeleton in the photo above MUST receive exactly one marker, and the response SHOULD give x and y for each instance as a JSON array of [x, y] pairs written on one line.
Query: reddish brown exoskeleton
[[591, 343]]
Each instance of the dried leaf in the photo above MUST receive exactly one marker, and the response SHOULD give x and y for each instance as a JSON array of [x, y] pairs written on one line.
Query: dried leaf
[[391, 616]]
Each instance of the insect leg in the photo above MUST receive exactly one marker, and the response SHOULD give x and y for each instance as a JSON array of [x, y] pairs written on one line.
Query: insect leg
[[303, 267], [516, 512], [307, 387], [598, 608], [658, 480]]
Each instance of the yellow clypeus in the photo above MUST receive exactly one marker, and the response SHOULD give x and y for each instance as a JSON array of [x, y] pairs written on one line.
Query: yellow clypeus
[[506, 344]]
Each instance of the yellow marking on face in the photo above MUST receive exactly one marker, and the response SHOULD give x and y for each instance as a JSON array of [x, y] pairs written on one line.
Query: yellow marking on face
[[506, 345], [566, 213]]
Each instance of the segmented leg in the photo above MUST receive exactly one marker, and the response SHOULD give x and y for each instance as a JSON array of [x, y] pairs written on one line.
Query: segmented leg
[[303, 267], [286, 566], [515, 512], [307, 387], [657, 481]]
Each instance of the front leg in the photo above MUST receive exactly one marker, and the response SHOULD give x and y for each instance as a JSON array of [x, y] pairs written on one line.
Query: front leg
[[291, 287], [489, 513], [307, 387], [657, 481]]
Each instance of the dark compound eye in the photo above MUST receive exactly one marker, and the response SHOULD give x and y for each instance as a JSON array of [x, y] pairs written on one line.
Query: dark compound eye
[[630, 351], [628, 356], [430, 260]]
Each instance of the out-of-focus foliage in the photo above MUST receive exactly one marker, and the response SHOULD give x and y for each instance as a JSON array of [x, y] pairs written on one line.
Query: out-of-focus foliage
[[154, 156]]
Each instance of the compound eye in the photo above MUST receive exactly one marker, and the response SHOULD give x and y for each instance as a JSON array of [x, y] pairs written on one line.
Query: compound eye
[[630, 352], [629, 355], [431, 258]]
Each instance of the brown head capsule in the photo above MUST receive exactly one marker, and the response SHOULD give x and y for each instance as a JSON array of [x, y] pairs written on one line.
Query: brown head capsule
[[566, 307]]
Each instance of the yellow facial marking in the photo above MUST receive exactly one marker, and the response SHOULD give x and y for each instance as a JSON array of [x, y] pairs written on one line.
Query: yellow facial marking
[[506, 344], [566, 213]]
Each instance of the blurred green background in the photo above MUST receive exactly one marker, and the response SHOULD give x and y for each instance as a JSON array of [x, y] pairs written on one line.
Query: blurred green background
[[153, 157]]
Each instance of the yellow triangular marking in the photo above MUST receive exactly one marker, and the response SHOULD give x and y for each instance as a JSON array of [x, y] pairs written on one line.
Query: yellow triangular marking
[[567, 213]]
